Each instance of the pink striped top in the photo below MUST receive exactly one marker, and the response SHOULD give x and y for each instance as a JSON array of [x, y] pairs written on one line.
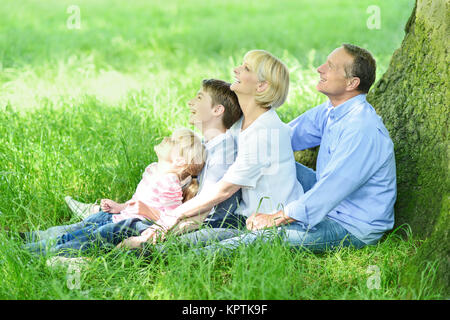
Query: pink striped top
[[161, 191]]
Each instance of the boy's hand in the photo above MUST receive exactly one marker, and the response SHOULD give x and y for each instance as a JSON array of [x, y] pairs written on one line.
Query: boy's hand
[[110, 206]]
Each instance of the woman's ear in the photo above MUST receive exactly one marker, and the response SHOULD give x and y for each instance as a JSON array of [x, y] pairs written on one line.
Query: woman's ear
[[262, 86]]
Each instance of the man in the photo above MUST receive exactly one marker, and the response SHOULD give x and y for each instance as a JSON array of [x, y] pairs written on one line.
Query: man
[[350, 199]]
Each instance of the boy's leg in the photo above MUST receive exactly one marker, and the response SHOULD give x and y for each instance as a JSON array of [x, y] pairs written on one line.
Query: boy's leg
[[223, 215]]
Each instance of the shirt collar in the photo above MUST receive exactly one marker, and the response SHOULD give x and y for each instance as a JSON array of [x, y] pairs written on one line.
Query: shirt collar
[[341, 110], [215, 141]]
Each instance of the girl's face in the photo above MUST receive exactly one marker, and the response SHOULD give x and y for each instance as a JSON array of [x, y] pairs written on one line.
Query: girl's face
[[246, 80], [164, 149]]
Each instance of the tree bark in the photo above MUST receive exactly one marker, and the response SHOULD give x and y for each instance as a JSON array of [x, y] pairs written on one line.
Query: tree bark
[[413, 99]]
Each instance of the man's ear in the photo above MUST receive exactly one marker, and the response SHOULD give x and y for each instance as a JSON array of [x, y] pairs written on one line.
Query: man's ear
[[353, 83], [218, 109], [262, 86]]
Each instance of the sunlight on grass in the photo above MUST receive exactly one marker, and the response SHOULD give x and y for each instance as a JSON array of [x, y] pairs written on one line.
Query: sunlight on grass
[[82, 109]]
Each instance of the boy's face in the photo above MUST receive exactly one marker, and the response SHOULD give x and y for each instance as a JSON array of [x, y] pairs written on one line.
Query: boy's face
[[201, 108]]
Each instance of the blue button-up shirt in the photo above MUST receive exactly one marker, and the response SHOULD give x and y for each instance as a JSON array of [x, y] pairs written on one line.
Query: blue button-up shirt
[[356, 179]]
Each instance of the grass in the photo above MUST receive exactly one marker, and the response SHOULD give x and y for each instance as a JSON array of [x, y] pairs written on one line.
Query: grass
[[82, 109]]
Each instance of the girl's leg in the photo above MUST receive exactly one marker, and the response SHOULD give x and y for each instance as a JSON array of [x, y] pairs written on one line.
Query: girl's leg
[[54, 232], [73, 239]]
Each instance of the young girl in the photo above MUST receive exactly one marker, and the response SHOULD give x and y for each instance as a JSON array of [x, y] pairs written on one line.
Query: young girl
[[180, 157]]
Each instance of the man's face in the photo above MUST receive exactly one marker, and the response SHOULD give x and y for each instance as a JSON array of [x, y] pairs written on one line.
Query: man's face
[[333, 80], [201, 108]]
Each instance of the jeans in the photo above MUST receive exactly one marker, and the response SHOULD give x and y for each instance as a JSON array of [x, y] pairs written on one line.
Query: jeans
[[223, 216], [326, 235], [98, 230]]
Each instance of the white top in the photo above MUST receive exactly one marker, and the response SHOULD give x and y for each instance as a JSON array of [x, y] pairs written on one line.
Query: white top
[[264, 166]]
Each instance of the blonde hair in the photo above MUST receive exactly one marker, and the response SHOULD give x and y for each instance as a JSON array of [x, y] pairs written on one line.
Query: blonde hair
[[270, 69], [189, 146]]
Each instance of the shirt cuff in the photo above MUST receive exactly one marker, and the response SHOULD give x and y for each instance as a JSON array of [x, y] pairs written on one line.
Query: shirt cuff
[[297, 211]]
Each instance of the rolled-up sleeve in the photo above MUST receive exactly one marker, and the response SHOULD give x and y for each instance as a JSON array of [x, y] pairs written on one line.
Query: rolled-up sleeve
[[307, 128], [350, 166]]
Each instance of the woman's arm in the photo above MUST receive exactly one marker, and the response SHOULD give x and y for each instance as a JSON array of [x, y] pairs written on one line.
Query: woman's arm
[[205, 201]]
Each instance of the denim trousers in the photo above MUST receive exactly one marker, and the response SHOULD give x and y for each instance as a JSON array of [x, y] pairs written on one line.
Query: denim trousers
[[97, 230], [326, 235]]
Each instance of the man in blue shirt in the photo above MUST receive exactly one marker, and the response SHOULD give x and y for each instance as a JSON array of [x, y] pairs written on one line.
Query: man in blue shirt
[[350, 199]]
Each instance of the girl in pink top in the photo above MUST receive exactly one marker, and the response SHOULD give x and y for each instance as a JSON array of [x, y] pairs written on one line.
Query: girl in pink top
[[180, 157]]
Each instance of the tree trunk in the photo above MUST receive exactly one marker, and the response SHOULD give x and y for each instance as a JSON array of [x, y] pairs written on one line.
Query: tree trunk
[[413, 99]]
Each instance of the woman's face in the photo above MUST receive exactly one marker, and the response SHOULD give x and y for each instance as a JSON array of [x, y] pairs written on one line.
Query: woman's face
[[246, 80]]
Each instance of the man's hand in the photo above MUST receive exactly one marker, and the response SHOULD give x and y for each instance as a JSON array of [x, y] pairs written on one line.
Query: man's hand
[[258, 221]]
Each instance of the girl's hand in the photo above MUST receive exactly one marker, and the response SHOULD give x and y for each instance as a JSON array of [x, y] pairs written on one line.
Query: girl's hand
[[110, 206]]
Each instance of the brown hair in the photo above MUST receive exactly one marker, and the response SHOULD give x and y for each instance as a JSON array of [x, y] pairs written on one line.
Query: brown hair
[[191, 190], [363, 66], [221, 93]]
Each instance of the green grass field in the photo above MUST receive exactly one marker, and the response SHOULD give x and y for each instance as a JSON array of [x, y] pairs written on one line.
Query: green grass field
[[82, 108]]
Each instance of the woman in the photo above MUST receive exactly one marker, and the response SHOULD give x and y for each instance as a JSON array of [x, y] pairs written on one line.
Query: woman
[[265, 167]]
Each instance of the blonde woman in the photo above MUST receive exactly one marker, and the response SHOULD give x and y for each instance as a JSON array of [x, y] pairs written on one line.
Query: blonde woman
[[264, 168]]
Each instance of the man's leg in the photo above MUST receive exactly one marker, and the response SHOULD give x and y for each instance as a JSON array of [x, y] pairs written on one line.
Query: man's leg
[[327, 235], [306, 176]]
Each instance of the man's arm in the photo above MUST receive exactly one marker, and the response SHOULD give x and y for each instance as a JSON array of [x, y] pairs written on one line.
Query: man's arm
[[307, 128], [352, 164]]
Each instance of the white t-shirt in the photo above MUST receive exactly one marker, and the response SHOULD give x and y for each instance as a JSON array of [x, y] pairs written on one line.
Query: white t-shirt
[[264, 166]]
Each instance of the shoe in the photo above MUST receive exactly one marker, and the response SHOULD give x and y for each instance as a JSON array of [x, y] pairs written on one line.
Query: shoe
[[80, 209]]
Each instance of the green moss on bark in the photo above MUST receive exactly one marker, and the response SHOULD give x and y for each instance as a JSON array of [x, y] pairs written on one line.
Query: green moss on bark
[[413, 99]]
